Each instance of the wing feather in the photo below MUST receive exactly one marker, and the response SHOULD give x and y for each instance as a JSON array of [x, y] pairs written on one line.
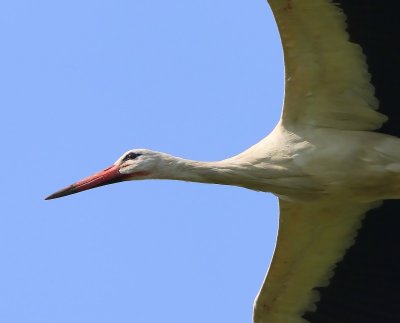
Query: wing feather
[[312, 239], [327, 83]]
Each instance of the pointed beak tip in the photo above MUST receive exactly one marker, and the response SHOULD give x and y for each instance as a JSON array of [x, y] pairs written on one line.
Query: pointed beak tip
[[63, 192], [108, 176], [50, 197]]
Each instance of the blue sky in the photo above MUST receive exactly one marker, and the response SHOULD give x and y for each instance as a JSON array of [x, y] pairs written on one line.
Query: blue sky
[[84, 81]]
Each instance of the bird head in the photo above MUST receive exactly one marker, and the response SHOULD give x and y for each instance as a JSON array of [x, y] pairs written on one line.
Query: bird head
[[133, 165]]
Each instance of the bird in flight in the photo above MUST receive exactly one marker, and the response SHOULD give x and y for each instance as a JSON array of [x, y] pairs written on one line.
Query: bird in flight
[[333, 160]]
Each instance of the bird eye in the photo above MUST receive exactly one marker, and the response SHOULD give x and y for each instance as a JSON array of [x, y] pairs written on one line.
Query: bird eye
[[131, 156]]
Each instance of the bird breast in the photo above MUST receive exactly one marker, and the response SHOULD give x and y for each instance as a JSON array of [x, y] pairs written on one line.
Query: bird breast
[[315, 162]]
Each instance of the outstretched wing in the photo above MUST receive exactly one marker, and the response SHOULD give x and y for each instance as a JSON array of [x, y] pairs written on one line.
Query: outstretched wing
[[327, 83], [325, 269], [312, 239]]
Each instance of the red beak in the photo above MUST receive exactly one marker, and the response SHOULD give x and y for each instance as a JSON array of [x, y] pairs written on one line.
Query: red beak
[[107, 176]]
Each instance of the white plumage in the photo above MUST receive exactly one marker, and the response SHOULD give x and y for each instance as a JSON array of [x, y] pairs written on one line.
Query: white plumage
[[322, 160]]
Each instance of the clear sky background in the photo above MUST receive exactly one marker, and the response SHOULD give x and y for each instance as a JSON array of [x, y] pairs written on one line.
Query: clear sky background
[[84, 81]]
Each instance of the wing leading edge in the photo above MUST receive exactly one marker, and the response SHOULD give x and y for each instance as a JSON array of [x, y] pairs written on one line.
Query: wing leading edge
[[327, 83]]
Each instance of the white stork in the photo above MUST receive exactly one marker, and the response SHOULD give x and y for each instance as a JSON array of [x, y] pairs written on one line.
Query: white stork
[[333, 158]]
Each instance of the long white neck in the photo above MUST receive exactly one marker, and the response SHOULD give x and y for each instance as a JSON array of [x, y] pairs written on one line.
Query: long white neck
[[225, 172], [262, 175], [202, 172]]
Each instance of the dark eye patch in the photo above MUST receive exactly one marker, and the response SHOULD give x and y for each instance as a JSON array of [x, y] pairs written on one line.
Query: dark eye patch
[[131, 156]]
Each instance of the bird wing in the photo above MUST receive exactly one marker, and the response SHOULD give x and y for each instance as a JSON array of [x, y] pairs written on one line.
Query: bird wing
[[312, 239], [327, 83], [325, 269]]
